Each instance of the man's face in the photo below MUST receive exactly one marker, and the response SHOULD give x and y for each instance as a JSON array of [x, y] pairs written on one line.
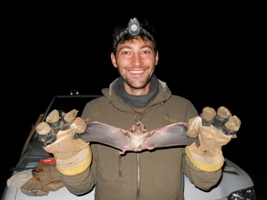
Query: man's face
[[136, 61]]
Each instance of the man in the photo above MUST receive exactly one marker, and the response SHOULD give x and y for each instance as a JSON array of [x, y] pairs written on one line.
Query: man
[[137, 95]]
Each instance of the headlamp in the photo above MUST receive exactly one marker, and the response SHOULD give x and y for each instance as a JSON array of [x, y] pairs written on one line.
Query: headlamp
[[134, 29]]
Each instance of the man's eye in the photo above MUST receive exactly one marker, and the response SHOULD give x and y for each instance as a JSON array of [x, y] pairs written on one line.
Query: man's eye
[[146, 52], [125, 53]]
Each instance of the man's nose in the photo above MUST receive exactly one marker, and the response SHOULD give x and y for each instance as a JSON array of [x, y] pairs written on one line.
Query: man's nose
[[137, 60]]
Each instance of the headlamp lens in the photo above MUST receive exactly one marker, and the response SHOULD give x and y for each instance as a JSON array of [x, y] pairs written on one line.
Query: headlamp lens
[[134, 27]]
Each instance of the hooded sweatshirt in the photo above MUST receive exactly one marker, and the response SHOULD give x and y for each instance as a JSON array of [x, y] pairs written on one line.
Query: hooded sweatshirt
[[156, 174]]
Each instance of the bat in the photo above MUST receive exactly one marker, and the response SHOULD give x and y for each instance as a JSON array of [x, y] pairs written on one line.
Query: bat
[[137, 138]]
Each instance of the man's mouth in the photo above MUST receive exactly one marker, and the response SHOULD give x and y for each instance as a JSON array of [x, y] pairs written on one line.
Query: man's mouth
[[137, 72]]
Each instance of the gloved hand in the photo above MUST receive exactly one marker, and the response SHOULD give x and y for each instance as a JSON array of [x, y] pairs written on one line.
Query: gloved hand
[[19, 179], [72, 156], [214, 129], [45, 178]]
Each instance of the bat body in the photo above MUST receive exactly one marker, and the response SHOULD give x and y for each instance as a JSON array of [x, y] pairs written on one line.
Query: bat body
[[137, 138]]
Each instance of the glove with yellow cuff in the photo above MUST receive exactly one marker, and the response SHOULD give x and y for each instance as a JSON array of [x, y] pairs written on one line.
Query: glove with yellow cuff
[[56, 134], [214, 129]]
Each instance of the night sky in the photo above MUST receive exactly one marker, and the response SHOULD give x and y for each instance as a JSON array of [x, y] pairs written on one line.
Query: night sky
[[202, 58]]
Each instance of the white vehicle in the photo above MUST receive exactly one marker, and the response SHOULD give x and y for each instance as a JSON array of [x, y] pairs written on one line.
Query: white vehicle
[[235, 183]]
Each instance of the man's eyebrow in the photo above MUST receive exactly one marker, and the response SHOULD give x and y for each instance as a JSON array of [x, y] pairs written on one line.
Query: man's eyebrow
[[147, 46], [129, 47], [124, 47]]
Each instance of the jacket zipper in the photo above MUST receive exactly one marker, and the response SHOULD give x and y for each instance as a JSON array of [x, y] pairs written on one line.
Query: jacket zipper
[[138, 168], [138, 176], [138, 173]]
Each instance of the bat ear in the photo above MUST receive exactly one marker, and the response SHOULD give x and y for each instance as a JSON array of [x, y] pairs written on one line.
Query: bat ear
[[133, 128], [143, 127], [140, 124]]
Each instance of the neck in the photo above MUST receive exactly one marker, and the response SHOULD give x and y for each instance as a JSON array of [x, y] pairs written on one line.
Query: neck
[[137, 101], [137, 92]]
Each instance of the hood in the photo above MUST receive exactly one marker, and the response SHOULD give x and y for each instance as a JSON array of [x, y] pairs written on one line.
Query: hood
[[163, 95]]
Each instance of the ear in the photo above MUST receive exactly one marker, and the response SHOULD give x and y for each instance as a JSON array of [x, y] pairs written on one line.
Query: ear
[[157, 58], [113, 60]]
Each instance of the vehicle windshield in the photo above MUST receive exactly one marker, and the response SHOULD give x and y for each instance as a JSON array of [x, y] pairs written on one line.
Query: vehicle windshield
[[67, 103]]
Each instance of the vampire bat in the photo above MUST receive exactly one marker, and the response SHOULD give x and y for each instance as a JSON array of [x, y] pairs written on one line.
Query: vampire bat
[[137, 138]]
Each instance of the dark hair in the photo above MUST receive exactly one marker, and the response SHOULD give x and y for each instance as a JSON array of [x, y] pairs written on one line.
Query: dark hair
[[120, 33]]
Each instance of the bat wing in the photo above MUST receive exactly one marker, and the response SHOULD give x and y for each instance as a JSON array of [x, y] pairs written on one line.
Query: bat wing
[[105, 134], [170, 135]]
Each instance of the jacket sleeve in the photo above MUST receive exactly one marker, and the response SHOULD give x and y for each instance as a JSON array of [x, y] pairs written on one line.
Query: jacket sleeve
[[201, 179], [79, 184], [84, 182]]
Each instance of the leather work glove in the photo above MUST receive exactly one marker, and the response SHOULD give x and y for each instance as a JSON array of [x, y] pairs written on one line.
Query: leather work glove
[[45, 178], [214, 129], [56, 133]]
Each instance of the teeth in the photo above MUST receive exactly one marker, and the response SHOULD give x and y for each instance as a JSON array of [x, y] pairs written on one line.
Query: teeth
[[137, 72]]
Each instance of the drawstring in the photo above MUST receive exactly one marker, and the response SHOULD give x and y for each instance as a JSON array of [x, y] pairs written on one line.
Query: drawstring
[[120, 167]]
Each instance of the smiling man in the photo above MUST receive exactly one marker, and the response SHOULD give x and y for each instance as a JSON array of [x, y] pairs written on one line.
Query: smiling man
[[136, 60], [138, 95]]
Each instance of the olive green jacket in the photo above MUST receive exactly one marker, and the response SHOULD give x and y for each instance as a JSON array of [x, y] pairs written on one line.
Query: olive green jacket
[[148, 175]]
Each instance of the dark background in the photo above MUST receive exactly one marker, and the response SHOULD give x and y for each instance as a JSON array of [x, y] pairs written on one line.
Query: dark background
[[210, 57]]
